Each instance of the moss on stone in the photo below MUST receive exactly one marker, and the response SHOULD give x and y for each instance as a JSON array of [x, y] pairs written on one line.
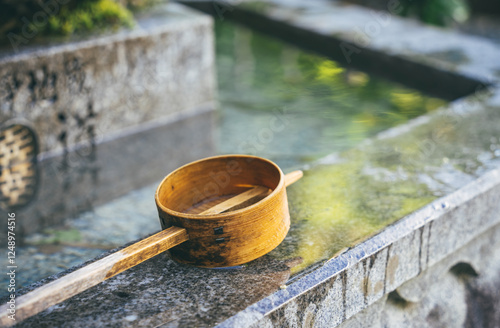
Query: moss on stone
[[338, 204]]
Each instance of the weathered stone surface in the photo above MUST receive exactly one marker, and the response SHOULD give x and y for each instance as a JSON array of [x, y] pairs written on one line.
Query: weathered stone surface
[[84, 90], [450, 293], [438, 299], [162, 292]]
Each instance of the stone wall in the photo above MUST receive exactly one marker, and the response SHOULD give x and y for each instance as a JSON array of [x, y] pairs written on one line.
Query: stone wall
[[85, 90], [460, 291]]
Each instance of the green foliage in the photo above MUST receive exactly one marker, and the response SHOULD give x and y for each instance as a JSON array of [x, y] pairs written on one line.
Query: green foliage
[[90, 15], [52, 18], [438, 12]]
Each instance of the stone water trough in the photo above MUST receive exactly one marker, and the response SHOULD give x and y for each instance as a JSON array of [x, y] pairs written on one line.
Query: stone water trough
[[401, 230]]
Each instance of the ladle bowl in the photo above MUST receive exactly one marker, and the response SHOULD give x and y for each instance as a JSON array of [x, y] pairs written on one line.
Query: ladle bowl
[[238, 235]]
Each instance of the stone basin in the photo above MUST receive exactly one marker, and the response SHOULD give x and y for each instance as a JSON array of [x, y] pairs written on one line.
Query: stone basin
[[374, 225]]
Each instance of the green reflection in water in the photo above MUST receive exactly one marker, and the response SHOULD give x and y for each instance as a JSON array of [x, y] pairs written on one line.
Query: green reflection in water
[[293, 107], [369, 187]]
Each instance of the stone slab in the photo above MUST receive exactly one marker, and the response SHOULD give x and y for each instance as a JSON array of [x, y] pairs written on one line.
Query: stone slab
[[459, 291], [161, 292]]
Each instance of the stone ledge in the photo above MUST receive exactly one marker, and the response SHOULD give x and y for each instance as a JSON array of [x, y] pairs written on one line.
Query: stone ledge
[[459, 291], [357, 278]]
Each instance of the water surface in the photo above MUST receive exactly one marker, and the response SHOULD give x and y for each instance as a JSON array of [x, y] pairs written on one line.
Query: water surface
[[291, 106]]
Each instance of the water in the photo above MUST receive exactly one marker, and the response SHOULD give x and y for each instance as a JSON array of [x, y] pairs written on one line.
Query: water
[[293, 107]]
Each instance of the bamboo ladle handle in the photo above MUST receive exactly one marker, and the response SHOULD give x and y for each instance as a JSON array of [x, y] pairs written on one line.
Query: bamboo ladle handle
[[293, 177], [82, 279]]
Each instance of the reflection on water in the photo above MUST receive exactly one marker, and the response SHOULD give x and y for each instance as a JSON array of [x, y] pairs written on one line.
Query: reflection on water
[[282, 103]]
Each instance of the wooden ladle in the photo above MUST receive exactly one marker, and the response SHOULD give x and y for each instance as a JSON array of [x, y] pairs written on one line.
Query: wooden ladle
[[220, 211]]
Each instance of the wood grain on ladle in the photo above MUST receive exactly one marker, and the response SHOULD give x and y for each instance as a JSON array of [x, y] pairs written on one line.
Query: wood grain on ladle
[[254, 192]]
